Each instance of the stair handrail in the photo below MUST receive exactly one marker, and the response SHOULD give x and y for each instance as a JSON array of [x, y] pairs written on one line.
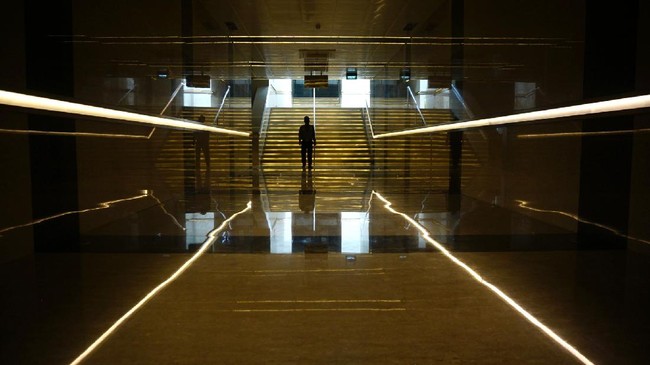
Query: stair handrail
[[223, 100], [178, 88], [370, 133], [126, 94], [266, 117], [461, 100], [416, 105]]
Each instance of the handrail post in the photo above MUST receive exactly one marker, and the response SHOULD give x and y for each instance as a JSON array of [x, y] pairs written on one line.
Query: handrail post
[[172, 98], [369, 132], [225, 95], [416, 105]]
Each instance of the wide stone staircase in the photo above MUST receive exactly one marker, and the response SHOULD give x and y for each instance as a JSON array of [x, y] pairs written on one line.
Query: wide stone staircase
[[341, 159], [419, 161], [230, 156]]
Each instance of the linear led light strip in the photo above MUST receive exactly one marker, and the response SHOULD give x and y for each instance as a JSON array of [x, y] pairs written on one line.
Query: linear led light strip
[[78, 134], [47, 104], [635, 102], [212, 236], [497, 291]]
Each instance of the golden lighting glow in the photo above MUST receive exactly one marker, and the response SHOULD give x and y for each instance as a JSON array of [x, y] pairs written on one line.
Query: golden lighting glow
[[479, 278], [636, 102], [524, 204], [40, 103], [103, 205], [212, 237]]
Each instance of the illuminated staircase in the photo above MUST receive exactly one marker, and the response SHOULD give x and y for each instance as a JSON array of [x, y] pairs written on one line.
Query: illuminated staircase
[[416, 162], [230, 156], [341, 160]]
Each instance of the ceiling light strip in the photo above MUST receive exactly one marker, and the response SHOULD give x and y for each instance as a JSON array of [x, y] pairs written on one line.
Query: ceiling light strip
[[425, 235], [615, 105], [53, 105], [212, 236]]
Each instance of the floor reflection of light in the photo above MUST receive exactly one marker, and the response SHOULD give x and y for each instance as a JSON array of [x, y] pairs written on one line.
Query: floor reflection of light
[[162, 206], [212, 236], [477, 277], [103, 205], [524, 204], [631, 103]]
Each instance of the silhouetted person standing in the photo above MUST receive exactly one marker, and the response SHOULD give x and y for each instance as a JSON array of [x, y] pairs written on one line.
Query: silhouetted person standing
[[307, 141]]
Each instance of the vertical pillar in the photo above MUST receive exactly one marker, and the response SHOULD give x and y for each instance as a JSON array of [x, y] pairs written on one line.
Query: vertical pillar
[[53, 158], [605, 166], [456, 138], [187, 51]]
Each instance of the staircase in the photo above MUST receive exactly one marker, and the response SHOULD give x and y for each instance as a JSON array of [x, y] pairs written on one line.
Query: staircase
[[341, 159], [416, 162], [230, 156]]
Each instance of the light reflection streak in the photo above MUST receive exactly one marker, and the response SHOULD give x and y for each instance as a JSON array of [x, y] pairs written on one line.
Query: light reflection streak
[[615, 105], [524, 204], [493, 288], [162, 206], [53, 105], [212, 237], [579, 134], [103, 205]]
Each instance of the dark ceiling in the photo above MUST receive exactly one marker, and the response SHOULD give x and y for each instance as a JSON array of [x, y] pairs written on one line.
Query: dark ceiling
[[234, 39]]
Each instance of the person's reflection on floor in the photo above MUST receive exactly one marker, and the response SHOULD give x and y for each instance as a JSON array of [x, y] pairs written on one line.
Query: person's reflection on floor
[[307, 194], [202, 145]]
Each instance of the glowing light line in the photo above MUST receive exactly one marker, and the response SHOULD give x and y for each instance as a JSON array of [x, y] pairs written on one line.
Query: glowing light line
[[615, 105], [425, 234], [102, 205], [53, 105], [524, 204], [212, 236], [75, 134], [162, 206]]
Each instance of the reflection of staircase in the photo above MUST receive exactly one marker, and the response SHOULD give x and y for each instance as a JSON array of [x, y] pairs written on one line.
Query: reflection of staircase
[[417, 161], [230, 156], [342, 160]]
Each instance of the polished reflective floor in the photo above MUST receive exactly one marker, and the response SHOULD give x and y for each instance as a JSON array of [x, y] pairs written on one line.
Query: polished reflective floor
[[318, 267]]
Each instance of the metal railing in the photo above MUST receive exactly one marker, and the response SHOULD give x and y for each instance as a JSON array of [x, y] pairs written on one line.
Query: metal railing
[[416, 105], [172, 97], [466, 112], [370, 133], [223, 100], [264, 125]]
